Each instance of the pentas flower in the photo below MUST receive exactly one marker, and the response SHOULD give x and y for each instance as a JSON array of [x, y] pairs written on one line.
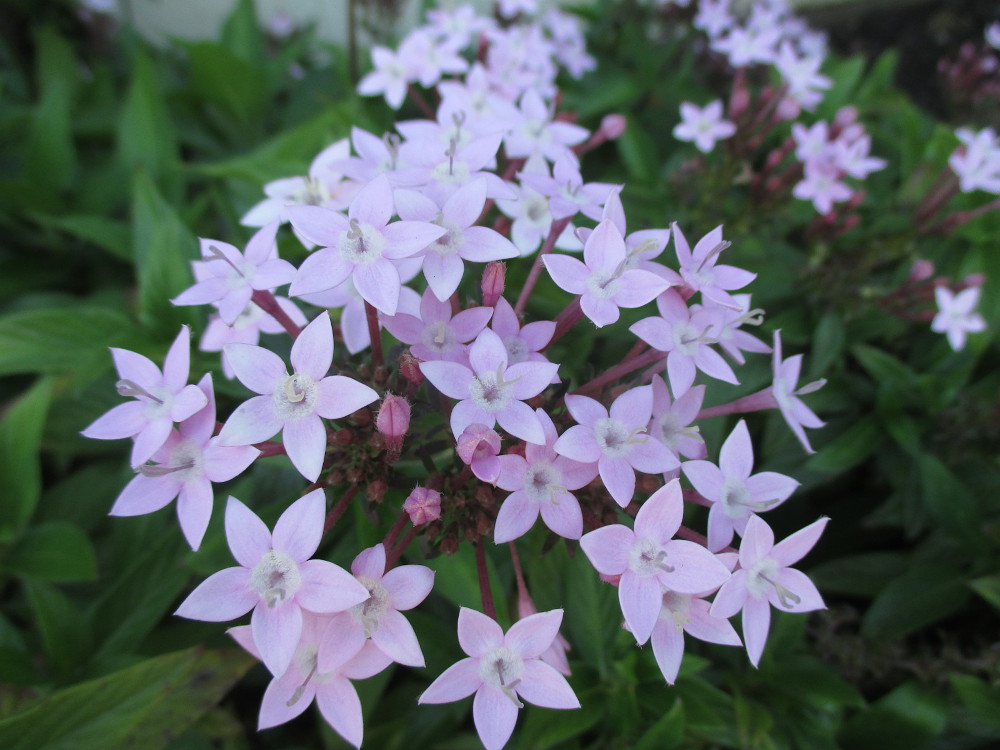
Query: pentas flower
[[275, 578], [977, 165], [686, 336], [601, 279], [430, 57], [703, 126], [748, 46], [186, 466], [492, 390], [378, 617], [161, 398], [540, 483], [433, 334], [567, 192], [293, 404], [686, 613], [228, 278], [805, 84], [765, 580], [956, 315], [535, 131], [823, 186], [530, 214], [423, 505], [735, 495], [443, 260], [246, 329], [671, 420], [641, 246], [523, 343], [786, 393], [393, 73], [362, 246], [288, 695], [650, 560], [441, 170], [478, 446], [701, 272], [502, 669], [616, 441], [734, 341]]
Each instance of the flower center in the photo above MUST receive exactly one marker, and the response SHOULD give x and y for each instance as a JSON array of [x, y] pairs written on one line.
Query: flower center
[[450, 242], [614, 439], [541, 482], [362, 244], [295, 396], [763, 576], [603, 284], [186, 462], [276, 578], [647, 558], [517, 349], [489, 391], [439, 337], [675, 609], [502, 668], [371, 611]]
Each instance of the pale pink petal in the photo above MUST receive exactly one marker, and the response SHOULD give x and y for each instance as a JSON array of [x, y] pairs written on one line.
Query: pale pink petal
[[731, 597], [483, 244], [608, 548], [373, 204], [736, 456], [704, 627], [641, 599], [312, 352], [150, 439], [695, 569], [194, 509], [807, 597], [145, 495], [469, 323], [543, 686], [569, 274], [396, 638], [530, 378], [122, 421], [477, 633], [706, 478], [137, 368], [712, 364], [601, 312], [494, 715], [651, 456], [339, 396], [563, 516], [305, 444], [259, 369], [370, 563], [298, 531], [378, 284], [320, 226], [619, 477], [680, 371], [202, 293], [328, 588], [367, 662], [656, 332], [756, 623], [585, 410], [520, 420], [451, 378], [531, 636], [458, 681], [769, 486], [660, 516], [324, 269], [720, 528], [408, 585], [222, 596], [793, 548], [443, 273], [252, 422], [639, 288], [668, 648], [467, 413], [338, 702], [487, 353], [517, 515], [188, 402], [342, 639], [406, 238], [249, 539], [276, 633], [277, 706], [578, 444], [604, 248], [758, 541], [222, 463]]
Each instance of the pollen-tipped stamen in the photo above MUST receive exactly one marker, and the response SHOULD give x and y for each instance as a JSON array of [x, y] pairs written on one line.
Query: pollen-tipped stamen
[[127, 387]]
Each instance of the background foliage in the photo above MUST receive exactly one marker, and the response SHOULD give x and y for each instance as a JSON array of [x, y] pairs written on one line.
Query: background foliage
[[115, 156]]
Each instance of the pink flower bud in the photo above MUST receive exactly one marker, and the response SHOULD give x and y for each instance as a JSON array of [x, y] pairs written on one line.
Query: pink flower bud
[[423, 506], [921, 269], [846, 116], [409, 368], [494, 277], [613, 126], [392, 422], [478, 446], [973, 279]]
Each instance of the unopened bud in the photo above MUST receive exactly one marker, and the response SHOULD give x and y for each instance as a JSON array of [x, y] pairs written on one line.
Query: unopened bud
[[478, 446], [494, 278], [484, 496], [362, 417], [973, 279], [392, 422], [343, 436], [423, 506], [921, 269], [376, 490], [355, 475], [449, 543], [471, 533], [846, 116], [613, 126], [409, 368]]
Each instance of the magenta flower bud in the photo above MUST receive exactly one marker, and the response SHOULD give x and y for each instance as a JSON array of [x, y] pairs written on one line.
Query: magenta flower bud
[[613, 126], [392, 422], [423, 506], [846, 116], [921, 269], [409, 368], [478, 446], [494, 277], [973, 279]]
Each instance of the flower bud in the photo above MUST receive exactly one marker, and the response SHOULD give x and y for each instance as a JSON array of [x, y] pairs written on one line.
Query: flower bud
[[613, 126], [921, 269], [494, 276], [376, 490], [423, 506], [478, 446], [409, 368], [392, 422]]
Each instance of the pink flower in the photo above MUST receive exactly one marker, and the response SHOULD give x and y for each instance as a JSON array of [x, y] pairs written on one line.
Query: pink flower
[[478, 446], [671, 419], [423, 506], [765, 580], [735, 494], [501, 670], [786, 393], [293, 404], [378, 617], [602, 279], [555, 655], [362, 246], [161, 398], [523, 343], [956, 315], [434, 334], [276, 579], [704, 126], [492, 391], [291, 693], [617, 441], [699, 269], [680, 613], [187, 465], [649, 560], [246, 329], [228, 278], [540, 483]]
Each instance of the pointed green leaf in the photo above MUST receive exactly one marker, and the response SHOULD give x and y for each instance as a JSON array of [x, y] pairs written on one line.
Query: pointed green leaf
[[242, 34], [50, 155], [667, 732], [146, 138], [56, 551], [20, 469]]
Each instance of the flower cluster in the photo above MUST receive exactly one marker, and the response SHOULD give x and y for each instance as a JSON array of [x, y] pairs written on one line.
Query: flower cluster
[[395, 225]]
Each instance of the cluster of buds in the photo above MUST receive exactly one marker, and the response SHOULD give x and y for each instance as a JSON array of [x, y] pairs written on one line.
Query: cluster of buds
[[476, 398]]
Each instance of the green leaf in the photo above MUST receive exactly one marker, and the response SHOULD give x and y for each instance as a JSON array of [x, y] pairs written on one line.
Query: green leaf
[[925, 594], [667, 732], [225, 81], [638, 151], [859, 575], [988, 587], [163, 247], [828, 345], [849, 448], [545, 729], [241, 33], [146, 138], [145, 706], [948, 499], [65, 634], [108, 234], [20, 468], [980, 699], [908, 718], [56, 551], [50, 155], [883, 367], [62, 340]]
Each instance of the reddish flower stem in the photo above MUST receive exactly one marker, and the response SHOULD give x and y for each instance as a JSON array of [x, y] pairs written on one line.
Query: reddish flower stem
[[758, 401], [484, 581], [266, 302], [373, 333], [565, 321], [270, 448], [522, 589], [961, 217], [390, 538], [629, 365], [338, 510], [693, 536], [421, 102], [536, 268], [393, 557]]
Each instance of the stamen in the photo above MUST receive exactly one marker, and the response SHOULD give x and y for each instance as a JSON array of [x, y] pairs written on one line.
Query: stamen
[[131, 388], [450, 153], [811, 387], [160, 470], [215, 252], [753, 317], [392, 141], [508, 690], [301, 688], [714, 252]]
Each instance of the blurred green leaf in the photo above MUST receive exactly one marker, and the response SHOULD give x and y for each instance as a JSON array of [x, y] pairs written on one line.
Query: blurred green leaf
[[20, 469], [638, 151], [547, 728], [65, 634], [145, 706], [225, 81], [906, 719], [50, 155], [849, 448], [163, 248], [146, 138], [883, 367], [988, 587], [63, 340], [108, 234], [948, 499], [924, 594], [859, 575], [980, 699], [242, 34], [667, 732], [828, 345], [57, 551]]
